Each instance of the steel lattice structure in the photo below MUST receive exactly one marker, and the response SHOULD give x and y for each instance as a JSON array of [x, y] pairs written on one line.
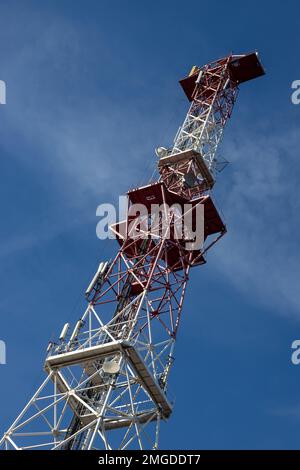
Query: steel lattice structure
[[106, 382]]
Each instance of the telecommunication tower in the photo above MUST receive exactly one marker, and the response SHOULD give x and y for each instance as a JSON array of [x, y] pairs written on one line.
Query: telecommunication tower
[[106, 378]]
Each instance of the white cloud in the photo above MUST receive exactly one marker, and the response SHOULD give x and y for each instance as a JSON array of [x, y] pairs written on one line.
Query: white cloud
[[260, 253]]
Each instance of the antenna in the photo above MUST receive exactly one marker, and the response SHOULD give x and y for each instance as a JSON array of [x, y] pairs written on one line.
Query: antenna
[[161, 152], [111, 366]]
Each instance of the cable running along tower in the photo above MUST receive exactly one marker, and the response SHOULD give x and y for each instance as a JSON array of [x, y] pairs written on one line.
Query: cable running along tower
[[106, 378]]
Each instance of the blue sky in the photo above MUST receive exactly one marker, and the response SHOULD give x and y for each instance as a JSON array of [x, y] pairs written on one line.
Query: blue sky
[[91, 90]]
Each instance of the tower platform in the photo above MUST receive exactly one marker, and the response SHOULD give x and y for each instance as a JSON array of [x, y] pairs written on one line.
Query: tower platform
[[86, 356], [241, 68]]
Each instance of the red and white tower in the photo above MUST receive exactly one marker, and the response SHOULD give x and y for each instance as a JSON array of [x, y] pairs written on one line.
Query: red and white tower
[[106, 378]]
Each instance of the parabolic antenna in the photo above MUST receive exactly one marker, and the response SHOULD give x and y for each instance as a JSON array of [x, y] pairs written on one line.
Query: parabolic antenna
[[161, 152], [111, 366]]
